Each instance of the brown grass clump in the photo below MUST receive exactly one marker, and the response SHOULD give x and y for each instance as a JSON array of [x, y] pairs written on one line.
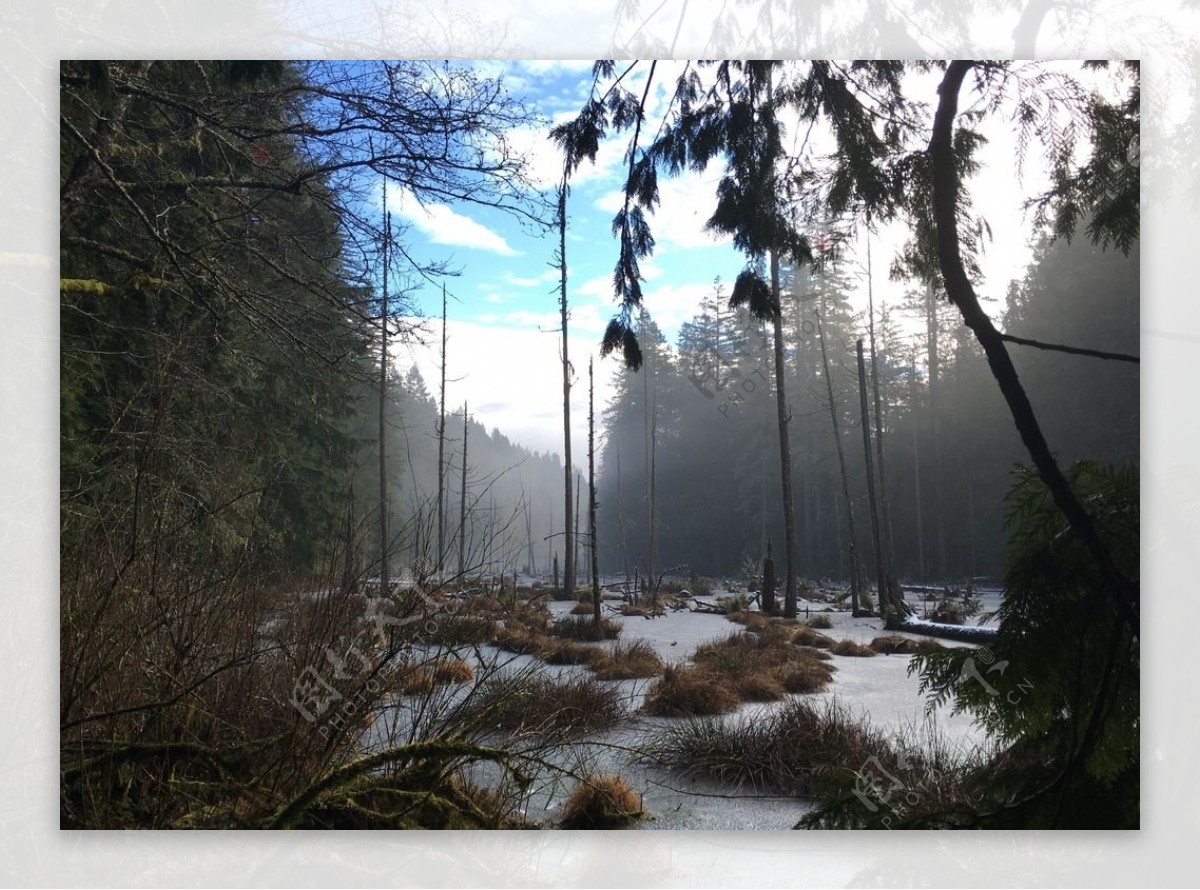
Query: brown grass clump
[[482, 604], [583, 607], [819, 621], [424, 678], [604, 801], [542, 705], [806, 675], [808, 636], [518, 639], [764, 666], [798, 748], [464, 630], [751, 620], [744, 667], [554, 651], [643, 610], [579, 627], [686, 691], [894, 644], [849, 647], [629, 661]]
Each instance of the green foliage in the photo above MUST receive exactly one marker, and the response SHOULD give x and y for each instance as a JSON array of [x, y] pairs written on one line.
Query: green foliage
[[1060, 683]]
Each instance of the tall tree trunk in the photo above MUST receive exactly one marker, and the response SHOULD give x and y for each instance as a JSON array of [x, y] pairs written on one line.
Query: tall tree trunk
[[933, 358], [649, 421], [569, 533], [785, 448], [441, 507], [1123, 591], [592, 493], [884, 598], [529, 541], [384, 587], [885, 516], [578, 534], [653, 495], [841, 454], [916, 441], [621, 518], [462, 508]]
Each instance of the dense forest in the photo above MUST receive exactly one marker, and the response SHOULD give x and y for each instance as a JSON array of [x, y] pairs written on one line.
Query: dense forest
[[294, 580], [709, 405]]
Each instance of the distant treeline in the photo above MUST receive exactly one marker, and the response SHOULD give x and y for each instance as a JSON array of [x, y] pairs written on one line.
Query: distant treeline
[[702, 413]]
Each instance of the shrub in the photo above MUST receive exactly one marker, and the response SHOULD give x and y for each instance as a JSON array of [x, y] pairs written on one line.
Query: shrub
[[948, 612], [579, 627], [849, 647], [736, 603], [629, 661], [603, 801]]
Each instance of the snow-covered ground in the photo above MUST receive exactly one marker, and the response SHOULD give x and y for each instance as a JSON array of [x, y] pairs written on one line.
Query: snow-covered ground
[[878, 689]]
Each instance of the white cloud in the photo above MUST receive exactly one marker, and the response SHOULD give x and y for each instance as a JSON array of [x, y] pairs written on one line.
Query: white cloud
[[444, 225], [511, 376], [548, 277], [687, 203]]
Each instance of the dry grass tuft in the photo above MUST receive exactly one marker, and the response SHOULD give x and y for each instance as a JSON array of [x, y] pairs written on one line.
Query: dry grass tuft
[[629, 661], [745, 667], [687, 690], [424, 678], [554, 651], [894, 644], [751, 620], [808, 636], [604, 801], [540, 704], [849, 647], [795, 749], [819, 621], [579, 627]]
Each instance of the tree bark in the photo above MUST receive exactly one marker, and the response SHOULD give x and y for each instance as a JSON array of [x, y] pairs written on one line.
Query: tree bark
[[383, 375], [569, 538], [785, 449], [592, 494], [441, 507], [462, 508], [841, 453], [884, 597], [1122, 590]]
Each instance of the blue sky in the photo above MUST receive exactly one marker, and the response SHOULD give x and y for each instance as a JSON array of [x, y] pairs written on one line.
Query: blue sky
[[503, 306]]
